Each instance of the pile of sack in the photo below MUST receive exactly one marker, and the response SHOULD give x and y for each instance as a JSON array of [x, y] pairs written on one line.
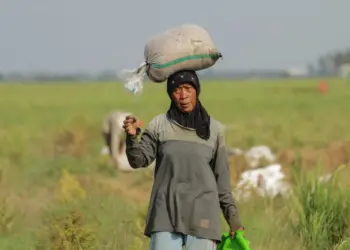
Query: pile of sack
[[185, 47], [269, 181]]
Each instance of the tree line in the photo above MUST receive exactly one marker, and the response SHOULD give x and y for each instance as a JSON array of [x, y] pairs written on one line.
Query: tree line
[[326, 65]]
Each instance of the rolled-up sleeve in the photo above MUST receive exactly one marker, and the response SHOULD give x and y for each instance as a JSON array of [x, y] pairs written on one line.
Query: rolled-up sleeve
[[222, 174]]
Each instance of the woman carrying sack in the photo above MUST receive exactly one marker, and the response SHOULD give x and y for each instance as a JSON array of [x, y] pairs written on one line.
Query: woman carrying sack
[[192, 179]]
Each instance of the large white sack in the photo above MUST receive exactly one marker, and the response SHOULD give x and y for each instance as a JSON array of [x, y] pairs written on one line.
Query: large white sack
[[185, 47], [267, 182]]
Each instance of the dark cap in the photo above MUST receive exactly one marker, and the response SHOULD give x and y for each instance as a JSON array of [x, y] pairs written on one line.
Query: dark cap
[[185, 76]]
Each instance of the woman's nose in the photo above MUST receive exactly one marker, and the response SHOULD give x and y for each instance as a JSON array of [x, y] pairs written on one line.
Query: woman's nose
[[183, 94]]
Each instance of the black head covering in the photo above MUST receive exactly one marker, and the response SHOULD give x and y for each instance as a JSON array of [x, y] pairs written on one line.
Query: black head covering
[[198, 119]]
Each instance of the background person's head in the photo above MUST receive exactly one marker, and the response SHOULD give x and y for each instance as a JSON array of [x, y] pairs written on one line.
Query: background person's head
[[183, 88]]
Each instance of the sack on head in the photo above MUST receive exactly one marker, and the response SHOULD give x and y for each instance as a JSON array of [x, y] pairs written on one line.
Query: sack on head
[[186, 47]]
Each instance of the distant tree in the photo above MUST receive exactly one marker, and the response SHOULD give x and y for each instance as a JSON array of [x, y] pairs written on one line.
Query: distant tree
[[341, 58], [331, 62]]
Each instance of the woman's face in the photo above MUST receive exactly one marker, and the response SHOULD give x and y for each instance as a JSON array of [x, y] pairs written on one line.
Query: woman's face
[[185, 97]]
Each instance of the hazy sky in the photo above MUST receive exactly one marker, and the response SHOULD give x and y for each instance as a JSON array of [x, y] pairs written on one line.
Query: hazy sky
[[93, 35]]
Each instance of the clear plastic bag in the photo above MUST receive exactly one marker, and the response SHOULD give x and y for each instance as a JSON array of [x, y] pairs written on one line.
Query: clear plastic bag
[[133, 78]]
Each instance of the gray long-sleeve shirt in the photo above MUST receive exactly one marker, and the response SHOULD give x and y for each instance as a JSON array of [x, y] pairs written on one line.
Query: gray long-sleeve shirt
[[191, 179]]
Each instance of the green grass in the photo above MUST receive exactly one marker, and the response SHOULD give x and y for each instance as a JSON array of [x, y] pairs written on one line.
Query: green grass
[[285, 115], [322, 211]]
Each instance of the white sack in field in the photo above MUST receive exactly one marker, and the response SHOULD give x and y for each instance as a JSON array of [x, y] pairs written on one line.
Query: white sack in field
[[254, 155], [265, 182]]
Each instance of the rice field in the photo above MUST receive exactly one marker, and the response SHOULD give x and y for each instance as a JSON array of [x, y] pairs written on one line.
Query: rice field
[[57, 191]]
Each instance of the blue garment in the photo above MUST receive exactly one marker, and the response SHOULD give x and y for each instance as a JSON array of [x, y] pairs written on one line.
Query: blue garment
[[175, 241]]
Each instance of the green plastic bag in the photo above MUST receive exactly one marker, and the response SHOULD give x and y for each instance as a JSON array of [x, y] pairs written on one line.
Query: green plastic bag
[[238, 243]]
